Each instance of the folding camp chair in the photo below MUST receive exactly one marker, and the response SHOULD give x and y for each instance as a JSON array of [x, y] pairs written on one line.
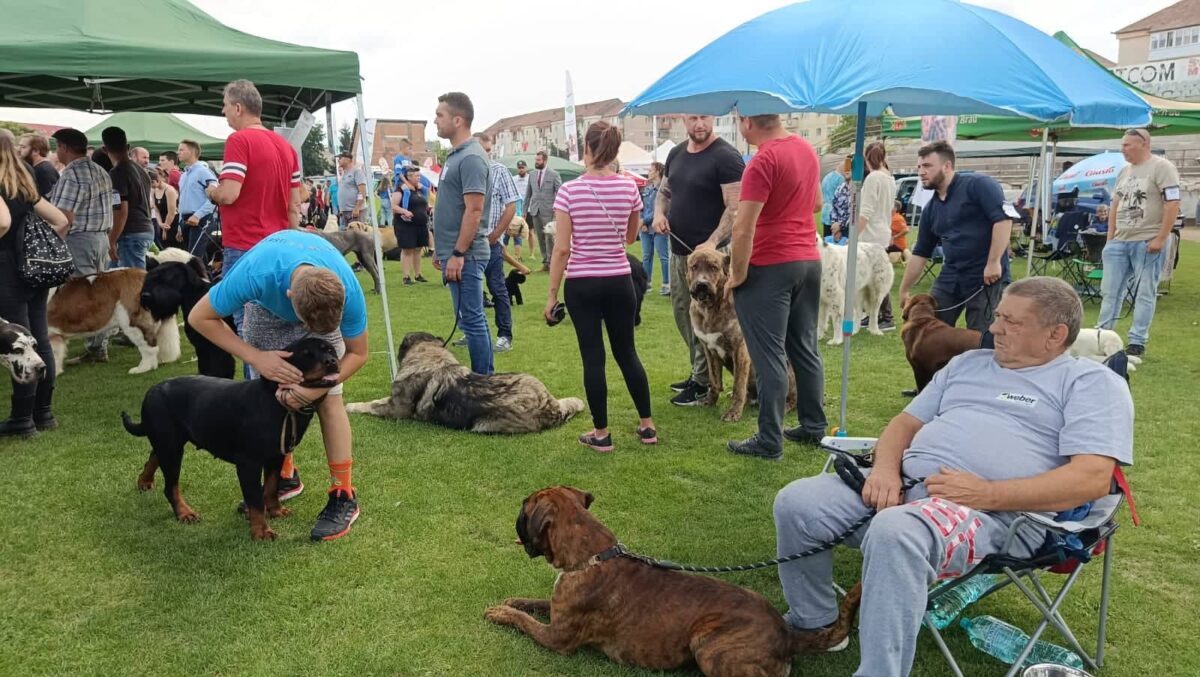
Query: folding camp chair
[[1069, 546], [931, 266]]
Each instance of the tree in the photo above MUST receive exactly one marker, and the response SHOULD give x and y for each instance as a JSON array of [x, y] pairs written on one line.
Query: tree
[[313, 153], [842, 136], [440, 153], [16, 128], [345, 138]]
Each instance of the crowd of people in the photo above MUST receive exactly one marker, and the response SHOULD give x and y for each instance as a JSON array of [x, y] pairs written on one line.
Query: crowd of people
[[279, 283]]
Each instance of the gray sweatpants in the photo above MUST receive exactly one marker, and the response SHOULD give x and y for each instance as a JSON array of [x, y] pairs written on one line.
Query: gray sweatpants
[[777, 308], [905, 550], [89, 254], [681, 303]]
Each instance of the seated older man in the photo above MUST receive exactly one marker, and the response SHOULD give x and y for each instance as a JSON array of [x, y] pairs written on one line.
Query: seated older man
[[1024, 427]]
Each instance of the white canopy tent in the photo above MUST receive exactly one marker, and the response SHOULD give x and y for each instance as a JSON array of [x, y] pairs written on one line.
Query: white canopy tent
[[660, 153], [633, 158]]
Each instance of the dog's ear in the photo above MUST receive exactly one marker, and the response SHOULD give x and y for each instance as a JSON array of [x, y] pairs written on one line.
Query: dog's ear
[[725, 262], [197, 275], [151, 263], [584, 497], [531, 529]]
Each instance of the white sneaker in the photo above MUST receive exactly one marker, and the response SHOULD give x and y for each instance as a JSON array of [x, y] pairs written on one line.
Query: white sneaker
[[503, 344]]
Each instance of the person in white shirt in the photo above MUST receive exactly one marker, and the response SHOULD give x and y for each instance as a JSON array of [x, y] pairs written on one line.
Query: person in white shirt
[[875, 215]]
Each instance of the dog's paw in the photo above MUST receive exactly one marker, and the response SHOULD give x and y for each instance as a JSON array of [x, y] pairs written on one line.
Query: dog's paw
[[188, 517], [279, 513], [500, 615], [732, 416], [262, 534], [145, 485], [140, 369]]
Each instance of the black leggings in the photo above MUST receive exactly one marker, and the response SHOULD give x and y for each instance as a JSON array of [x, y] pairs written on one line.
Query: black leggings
[[611, 301], [27, 307]]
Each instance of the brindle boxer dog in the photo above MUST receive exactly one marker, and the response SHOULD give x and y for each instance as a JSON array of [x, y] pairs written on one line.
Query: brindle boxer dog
[[643, 616], [716, 327], [929, 343]]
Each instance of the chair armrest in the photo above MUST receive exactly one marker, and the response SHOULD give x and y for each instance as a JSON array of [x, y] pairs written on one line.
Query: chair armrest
[[848, 444]]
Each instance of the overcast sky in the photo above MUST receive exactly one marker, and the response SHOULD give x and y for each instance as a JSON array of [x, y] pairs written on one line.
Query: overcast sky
[[510, 55]]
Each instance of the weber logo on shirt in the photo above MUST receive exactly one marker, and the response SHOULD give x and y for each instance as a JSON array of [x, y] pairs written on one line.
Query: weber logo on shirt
[[1015, 398]]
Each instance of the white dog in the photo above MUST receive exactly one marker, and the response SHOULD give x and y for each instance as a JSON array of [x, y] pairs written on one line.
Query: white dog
[[1099, 345], [18, 353], [874, 277]]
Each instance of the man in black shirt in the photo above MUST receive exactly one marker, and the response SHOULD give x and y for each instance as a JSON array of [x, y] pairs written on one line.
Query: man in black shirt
[[702, 180], [133, 229], [35, 150]]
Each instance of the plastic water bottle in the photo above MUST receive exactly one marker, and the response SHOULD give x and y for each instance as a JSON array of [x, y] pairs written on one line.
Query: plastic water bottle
[[950, 605], [1005, 642]]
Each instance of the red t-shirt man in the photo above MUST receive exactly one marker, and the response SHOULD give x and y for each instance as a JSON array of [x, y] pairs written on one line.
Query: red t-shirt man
[[784, 176], [267, 167], [173, 177]]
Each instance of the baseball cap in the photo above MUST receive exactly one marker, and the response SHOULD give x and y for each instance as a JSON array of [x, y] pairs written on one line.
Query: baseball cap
[[520, 163]]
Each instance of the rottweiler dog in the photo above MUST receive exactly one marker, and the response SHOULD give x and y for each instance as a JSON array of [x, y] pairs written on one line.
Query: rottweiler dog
[[172, 285], [237, 421]]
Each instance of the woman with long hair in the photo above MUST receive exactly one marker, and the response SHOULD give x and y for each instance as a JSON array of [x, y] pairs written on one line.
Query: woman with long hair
[[596, 216], [410, 221], [875, 214], [19, 302], [654, 243], [166, 207]]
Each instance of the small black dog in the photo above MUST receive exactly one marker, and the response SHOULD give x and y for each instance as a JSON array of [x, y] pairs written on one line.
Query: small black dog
[[640, 284], [513, 282], [237, 421], [172, 285]]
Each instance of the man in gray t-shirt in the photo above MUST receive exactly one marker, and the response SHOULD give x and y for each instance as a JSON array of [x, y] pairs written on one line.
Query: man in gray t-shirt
[[1023, 428], [352, 190]]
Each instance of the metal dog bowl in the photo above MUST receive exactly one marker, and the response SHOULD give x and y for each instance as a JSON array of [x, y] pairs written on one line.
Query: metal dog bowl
[[1052, 670]]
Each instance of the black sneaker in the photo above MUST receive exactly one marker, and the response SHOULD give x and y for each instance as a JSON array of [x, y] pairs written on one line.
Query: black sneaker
[[1135, 350], [910, 392], [887, 325], [682, 385], [337, 517], [691, 396], [799, 434], [751, 447], [648, 435], [602, 445], [421, 278], [408, 282], [289, 488]]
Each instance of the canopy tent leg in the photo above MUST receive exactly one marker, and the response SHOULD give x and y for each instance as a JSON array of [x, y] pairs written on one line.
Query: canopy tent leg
[[329, 130], [848, 316], [372, 207], [1038, 211]]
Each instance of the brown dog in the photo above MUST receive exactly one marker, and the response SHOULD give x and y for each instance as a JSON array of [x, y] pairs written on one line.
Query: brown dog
[[716, 327], [929, 343], [643, 616]]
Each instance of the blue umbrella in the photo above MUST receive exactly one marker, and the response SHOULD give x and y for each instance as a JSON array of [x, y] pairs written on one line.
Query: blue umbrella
[[1092, 175], [933, 57]]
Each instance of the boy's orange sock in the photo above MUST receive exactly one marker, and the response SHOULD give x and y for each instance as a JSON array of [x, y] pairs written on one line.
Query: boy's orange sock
[[339, 476], [287, 469]]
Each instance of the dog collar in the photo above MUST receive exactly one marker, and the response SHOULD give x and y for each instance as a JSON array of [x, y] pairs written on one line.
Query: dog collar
[[617, 550]]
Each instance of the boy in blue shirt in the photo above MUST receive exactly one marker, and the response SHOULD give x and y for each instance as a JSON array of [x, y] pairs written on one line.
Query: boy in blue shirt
[[294, 284]]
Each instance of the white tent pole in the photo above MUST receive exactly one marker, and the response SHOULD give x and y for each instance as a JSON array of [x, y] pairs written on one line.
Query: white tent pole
[[1029, 198], [372, 206], [1037, 210], [849, 321], [653, 138], [329, 130]]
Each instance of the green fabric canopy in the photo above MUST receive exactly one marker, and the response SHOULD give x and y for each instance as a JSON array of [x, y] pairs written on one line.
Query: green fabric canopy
[[158, 133], [566, 169], [155, 55], [1170, 118]]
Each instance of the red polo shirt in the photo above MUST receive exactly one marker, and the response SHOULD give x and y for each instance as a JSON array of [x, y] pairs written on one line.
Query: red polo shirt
[[268, 169], [784, 175]]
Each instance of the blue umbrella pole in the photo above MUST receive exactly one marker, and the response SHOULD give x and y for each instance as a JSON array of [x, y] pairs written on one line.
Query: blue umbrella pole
[[848, 316]]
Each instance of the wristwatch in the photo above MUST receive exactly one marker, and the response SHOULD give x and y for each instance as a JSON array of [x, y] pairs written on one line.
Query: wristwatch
[[458, 253]]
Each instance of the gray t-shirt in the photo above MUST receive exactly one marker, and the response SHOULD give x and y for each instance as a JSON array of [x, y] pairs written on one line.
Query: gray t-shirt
[[348, 188], [464, 171], [1140, 198], [132, 184], [1003, 424]]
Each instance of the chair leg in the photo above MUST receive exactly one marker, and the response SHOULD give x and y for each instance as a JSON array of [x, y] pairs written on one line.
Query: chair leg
[[1050, 616], [941, 643], [828, 464], [1104, 582]]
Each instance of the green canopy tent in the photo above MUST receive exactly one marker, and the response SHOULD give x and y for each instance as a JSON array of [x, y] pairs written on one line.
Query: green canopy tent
[[566, 169], [158, 133], [155, 55], [165, 56]]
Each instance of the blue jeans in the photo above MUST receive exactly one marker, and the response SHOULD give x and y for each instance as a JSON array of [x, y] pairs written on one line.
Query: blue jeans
[[131, 249], [228, 260], [495, 282], [467, 297], [660, 243], [1127, 265]]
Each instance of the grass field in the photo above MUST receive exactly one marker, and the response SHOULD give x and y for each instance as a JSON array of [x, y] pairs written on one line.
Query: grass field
[[96, 578]]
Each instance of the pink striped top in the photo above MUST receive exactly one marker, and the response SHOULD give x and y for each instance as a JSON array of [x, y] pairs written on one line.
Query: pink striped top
[[598, 237]]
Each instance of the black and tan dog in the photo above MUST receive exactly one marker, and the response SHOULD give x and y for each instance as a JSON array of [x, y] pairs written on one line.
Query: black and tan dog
[[433, 386], [172, 285], [237, 421], [716, 327], [644, 616], [929, 343]]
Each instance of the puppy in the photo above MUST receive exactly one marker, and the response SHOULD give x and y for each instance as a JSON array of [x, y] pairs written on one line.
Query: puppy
[[640, 284], [172, 285], [432, 386], [874, 276], [513, 283], [716, 327], [1099, 345], [240, 422], [929, 343], [18, 353], [643, 616]]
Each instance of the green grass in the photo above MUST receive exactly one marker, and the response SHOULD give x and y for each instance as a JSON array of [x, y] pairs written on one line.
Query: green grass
[[96, 578]]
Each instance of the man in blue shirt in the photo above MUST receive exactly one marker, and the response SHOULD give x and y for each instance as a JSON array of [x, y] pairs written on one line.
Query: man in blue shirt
[[829, 186], [295, 284], [195, 209], [966, 217]]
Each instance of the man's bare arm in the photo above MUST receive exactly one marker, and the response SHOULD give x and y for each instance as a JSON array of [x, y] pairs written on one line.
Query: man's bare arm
[[1086, 477], [730, 192], [226, 192]]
